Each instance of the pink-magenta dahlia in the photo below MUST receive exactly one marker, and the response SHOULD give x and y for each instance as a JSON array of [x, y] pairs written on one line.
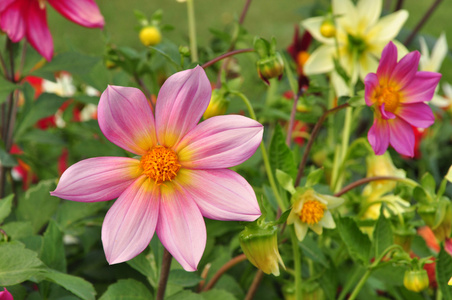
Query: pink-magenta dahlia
[[27, 18], [179, 176], [397, 93]]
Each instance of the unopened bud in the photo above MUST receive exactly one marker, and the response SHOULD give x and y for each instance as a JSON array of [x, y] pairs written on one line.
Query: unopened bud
[[270, 67], [150, 36], [328, 29], [416, 280], [218, 104]]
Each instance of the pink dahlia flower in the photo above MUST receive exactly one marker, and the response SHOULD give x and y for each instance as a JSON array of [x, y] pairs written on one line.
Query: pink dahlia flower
[[27, 18], [179, 176], [397, 93]]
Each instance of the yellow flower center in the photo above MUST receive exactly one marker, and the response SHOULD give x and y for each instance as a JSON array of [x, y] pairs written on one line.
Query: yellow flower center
[[160, 164], [389, 98], [312, 212]]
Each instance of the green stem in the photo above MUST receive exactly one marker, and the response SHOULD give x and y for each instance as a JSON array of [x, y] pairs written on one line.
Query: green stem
[[164, 273], [360, 284], [192, 30], [268, 168], [297, 264]]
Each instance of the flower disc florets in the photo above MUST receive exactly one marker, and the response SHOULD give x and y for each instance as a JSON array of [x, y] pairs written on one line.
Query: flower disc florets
[[160, 164], [312, 212]]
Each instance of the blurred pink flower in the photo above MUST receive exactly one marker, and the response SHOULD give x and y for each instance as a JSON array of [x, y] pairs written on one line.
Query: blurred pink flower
[[180, 175], [27, 18], [397, 93], [5, 295]]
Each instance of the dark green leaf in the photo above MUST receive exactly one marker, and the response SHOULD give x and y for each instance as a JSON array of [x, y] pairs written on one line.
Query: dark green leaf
[[41, 137], [78, 286], [312, 251], [53, 254], [217, 294], [7, 159], [186, 295], [314, 177], [72, 62], [5, 207], [18, 264], [358, 244], [428, 183], [145, 264], [280, 155], [6, 88], [70, 212], [183, 278], [383, 236], [127, 289], [18, 230], [443, 273]]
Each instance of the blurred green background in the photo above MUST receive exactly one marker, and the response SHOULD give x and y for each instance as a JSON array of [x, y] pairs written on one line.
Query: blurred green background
[[265, 18]]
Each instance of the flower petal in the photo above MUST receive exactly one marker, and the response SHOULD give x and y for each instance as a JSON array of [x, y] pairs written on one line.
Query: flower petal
[[388, 62], [300, 229], [327, 221], [313, 26], [347, 15], [13, 19], [406, 69], [37, 30], [387, 27], [181, 102], [220, 142], [378, 136], [417, 114], [401, 136], [320, 61], [126, 119], [181, 228], [368, 12], [371, 86], [421, 88], [130, 223], [82, 12], [220, 194], [97, 179]]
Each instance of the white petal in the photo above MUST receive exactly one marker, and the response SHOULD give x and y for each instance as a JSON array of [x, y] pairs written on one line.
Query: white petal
[[320, 61]]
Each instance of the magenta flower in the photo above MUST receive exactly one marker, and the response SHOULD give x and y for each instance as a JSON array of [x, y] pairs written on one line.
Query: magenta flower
[[27, 18], [5, 295], [180, 175], [397, 93]]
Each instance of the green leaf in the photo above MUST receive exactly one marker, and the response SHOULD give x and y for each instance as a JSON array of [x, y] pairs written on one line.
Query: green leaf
[[217, 294], [6, 88], [358, 244], [127, 289], [53, 254], [72, 62], [280, 155], [7, 159], [145, 264], [312, 251], [314, 177], [18, 230], [18, 264], [37, 206], [70, 212], [443, 273], [38, 136], [183, 278], [186, 295], [357, 101], [76, 285], [383, 236], [428, 183], [285, 181], [5, 207]]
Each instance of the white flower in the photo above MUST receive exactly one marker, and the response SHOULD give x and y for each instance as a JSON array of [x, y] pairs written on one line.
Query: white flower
[[62, 87]]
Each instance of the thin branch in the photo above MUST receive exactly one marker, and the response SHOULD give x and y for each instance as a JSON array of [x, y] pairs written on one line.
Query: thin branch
[[164, 273], [292, 119], [227, 54], [253, 288], [399, 5], [364, 181], [314, 133], [244, 11], [422, 22], [223, 270]]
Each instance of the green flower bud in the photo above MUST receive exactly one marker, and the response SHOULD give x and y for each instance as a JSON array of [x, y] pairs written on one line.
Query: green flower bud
[[259, 243], [270, 67], [416, 280], [218, 104]]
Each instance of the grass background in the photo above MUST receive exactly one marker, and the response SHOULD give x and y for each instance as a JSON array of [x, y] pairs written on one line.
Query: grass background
[[265, 18]]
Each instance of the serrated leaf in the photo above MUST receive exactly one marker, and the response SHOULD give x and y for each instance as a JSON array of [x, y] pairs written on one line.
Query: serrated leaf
[[18, 264], [217, 294], [53, 254], [443, 273], [312, 251], [76, 285], [127, 289], [383, 236], [285, 181], [5, 207], [280, 155], [357, 243], [37, 206]]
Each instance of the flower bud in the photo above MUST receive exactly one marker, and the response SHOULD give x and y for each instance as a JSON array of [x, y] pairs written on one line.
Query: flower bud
[[328, 29], [415, 280], [150, 36], [5, 295], [259, 243], [270, 67], [218, 104]]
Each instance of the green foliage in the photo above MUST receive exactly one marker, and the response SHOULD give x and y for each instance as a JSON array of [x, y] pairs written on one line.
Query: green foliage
[[382, 235], [127, 289], [5, 207], [357, 243], [443, 274], [53, 254], [76, 285], [281, 157]]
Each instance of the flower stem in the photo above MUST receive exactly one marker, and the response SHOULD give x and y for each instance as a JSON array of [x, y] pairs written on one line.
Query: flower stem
[[294, 87], [164, 273], [369, 179], [421, 23], [227, 54], [314, 133], [297, 263], [222, 270], [268, 168], [360, 284], [192, 30], [244, 11], [253, 288]]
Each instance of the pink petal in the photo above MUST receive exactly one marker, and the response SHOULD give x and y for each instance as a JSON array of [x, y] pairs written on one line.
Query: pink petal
[[421, 88], [417, 114], [38, 33], [97, 179], [388, 62], [126, 119], [221, 194], [385, 114], [181, 102], [371, 85], [82, 12], [378, 136], [220, 142], [12, 19], [6, 295], [181, 228], [130, 223], [401, 136], [405, 70]]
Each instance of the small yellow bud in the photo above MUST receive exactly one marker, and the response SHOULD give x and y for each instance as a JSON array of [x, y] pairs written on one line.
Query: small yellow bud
[[416, 281], [327, 29], [150, 36], [217, 106]]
